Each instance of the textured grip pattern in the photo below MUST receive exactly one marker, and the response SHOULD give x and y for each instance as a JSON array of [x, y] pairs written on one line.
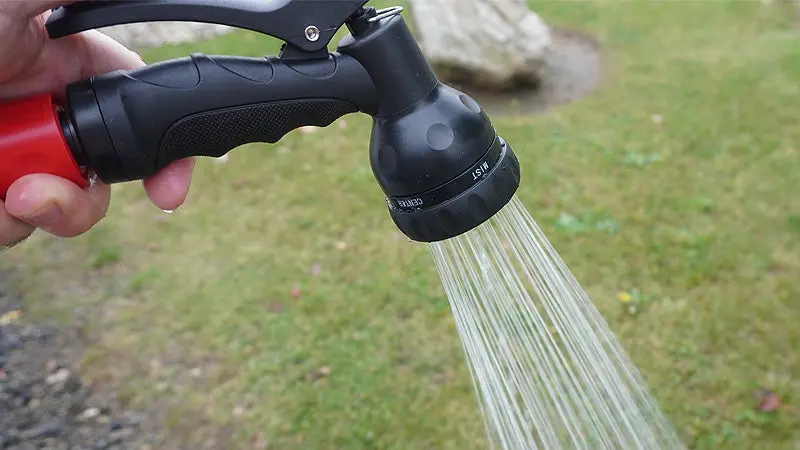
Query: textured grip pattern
[[214, 133]]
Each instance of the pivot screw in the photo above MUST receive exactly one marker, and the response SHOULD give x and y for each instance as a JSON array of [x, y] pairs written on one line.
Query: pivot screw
[[312, 33]]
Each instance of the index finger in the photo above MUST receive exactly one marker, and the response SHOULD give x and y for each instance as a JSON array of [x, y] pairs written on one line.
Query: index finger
[[25, 9]]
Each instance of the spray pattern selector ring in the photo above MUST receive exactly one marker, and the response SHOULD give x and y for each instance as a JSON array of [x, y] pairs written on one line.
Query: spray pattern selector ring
[[464, 182], [467, 209]]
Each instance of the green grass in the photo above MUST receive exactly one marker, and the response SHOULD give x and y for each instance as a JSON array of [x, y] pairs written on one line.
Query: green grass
[[699, 217]]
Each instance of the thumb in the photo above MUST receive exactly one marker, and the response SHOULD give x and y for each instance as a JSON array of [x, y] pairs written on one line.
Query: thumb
[[66, 60]]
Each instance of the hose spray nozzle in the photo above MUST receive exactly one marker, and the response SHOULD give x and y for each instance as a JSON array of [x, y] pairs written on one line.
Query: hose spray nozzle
[[434, 150], [442, 166]]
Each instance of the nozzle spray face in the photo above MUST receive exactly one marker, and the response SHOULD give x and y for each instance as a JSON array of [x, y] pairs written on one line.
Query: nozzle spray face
[[442, 166]]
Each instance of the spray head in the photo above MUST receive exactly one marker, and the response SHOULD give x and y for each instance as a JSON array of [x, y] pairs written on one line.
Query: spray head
[[434, 150], [442, 166]]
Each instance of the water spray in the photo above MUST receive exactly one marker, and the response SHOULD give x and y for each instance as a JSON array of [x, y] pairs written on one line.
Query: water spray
[[448, 177]]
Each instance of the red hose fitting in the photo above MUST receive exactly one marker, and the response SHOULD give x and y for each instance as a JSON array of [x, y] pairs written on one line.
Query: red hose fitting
[[31, 141]]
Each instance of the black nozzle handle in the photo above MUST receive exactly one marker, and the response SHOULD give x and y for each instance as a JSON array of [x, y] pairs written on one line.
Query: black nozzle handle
[[128, 125]]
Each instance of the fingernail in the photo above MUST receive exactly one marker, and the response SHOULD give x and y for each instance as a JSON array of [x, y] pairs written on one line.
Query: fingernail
[[45, 217]]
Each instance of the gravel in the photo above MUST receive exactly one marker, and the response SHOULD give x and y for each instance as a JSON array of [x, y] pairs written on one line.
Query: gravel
[[43, 402]]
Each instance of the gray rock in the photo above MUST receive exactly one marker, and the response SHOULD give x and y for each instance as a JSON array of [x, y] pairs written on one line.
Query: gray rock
[[495, 44], [60, 376], [89, 413], [9, 341], [120, 435], [46, 430]]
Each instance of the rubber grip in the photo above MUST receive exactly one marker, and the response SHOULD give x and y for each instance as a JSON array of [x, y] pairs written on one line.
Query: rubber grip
[[132, 124], [32, 142], [214, 132]]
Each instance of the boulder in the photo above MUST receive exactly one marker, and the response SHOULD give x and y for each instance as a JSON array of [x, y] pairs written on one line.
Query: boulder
[[492, 44]]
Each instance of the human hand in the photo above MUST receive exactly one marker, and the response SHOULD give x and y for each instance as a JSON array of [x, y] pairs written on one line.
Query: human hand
[[32, 63]]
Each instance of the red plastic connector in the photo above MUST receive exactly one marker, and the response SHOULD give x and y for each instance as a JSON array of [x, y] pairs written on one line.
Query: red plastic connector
[[31, 141]]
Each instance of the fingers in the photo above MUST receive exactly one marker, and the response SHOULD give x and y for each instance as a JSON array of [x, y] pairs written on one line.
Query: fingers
[[31, 63], [101, 54], [56, 205], [12, 231], [63, 209], [25, 9], [80, 56], [169, 187]]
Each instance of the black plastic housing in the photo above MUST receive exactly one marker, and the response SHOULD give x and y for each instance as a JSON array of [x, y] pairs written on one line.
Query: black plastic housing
[[434, 150], [429, 144], [491, 186], [395, 62]]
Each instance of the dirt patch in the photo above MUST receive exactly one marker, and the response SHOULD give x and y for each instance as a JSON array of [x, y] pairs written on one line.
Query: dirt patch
[[45, 403], [572, 70]]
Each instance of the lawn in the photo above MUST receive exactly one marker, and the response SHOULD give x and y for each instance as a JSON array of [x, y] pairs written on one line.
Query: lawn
[[281, 300]]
